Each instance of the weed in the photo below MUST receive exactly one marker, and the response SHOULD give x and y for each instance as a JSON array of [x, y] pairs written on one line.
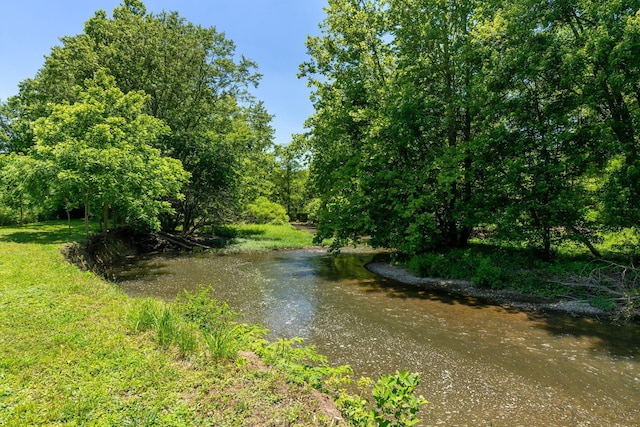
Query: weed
[[395, 402], [222, 343], [488, 274], [144, 317]]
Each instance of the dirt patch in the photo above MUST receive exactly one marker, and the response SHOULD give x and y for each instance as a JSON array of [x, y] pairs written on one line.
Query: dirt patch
[[326, 407], [503, 297]]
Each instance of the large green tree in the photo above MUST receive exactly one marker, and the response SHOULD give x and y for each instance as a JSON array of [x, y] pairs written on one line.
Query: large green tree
[[394, 125], [536, 136], [434, 117], [607, 36], [98, 153], [349, 64], [195, 83], [290, 178]]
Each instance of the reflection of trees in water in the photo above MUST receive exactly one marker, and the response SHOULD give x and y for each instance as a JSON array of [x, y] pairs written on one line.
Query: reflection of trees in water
[[344, 267]]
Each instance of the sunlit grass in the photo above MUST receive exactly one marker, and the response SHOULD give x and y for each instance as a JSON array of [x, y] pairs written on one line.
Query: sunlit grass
[[69, 356], [264, 237]]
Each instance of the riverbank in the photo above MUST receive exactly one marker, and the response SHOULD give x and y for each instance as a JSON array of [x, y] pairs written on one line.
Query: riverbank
[[502, 297], [70, 355]]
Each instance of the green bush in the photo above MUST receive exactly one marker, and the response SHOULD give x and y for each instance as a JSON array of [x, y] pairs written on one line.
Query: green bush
[[264, 211], [312, 208], [430, 264], [215, 320], [396, 405], [488, 274], [8, 216]]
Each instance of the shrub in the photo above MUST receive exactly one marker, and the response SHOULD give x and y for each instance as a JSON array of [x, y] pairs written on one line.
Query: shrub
[[488, 274], [429, 264], [145, 316], [264, 211], [312, 208], [396, 405]]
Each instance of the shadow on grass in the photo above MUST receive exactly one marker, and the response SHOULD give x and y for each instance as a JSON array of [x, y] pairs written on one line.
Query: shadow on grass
[[48, 233]]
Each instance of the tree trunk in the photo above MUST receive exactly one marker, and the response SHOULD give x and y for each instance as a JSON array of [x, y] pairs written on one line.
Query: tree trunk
[[585, 240], [105, 218], [86, 215]]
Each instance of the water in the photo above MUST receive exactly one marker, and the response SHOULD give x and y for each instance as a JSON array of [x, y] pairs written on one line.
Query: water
[[480, 364]]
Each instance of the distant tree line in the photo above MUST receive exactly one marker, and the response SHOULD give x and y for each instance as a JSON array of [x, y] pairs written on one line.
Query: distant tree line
[[435, 118]]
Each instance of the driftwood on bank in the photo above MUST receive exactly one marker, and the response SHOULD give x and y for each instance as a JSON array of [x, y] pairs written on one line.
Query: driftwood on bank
[[182, 242]]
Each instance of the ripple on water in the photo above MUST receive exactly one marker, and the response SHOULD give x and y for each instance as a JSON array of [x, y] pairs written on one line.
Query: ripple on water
[[479, 364]]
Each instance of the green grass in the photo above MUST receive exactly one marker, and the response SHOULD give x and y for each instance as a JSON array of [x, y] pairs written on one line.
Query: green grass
[[265, 237], [69, 355], [507, 266]]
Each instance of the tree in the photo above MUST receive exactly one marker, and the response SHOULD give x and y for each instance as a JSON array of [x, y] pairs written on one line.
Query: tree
[[101, 154], [22, 183], [348, 67], [433, 117], [393, 130], [290, 178], [536, 129], [194, 84], [432, 111], [608, 36]]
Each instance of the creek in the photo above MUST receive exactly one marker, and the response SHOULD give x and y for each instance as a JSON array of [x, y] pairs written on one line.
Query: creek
[[480, 364]]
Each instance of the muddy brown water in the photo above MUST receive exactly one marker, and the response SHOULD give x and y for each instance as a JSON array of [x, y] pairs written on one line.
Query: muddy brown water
[[480, 364]]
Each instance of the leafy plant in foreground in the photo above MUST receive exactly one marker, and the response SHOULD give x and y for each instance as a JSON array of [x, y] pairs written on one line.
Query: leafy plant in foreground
[[395, 402]]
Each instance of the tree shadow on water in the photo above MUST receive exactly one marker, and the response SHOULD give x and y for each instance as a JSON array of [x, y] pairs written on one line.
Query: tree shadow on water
[[617, 340]]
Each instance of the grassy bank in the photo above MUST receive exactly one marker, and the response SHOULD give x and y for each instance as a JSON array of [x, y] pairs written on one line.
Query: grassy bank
[[261, 237], [71, 357], [611, 283]]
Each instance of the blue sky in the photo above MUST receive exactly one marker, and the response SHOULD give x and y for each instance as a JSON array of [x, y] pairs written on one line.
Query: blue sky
[[269, 32]]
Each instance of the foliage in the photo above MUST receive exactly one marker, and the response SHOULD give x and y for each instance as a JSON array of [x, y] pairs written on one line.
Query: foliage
[[215, 321], [488, 274], [395, 402], [264, 211], [97, 152], [610, 285], [312, 209], [23, 183], [395, 399], [290, 179], [194, 82], [302, 364], [433, 118]]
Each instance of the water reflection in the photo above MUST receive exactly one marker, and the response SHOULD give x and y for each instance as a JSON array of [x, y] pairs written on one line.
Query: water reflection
[[480, 364]]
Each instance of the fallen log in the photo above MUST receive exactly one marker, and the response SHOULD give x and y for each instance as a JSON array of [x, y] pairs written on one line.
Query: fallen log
[[182, 242]]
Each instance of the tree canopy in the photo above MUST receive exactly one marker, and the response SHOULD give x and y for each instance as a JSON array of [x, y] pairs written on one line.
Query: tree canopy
[[98, 154], [433, 119], [193, 82]]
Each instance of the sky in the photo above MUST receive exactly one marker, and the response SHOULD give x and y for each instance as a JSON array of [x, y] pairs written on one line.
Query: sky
[[269, 32]]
